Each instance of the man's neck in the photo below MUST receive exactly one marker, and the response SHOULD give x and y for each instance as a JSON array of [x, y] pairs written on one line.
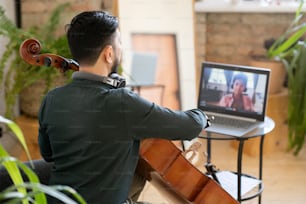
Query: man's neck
[[95, 70]]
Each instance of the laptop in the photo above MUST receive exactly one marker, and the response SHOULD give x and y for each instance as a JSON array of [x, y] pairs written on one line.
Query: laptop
[[143, 69], [233, 96]]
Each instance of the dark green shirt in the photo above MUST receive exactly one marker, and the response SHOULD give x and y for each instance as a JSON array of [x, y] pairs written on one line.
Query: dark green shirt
[[92, 131]]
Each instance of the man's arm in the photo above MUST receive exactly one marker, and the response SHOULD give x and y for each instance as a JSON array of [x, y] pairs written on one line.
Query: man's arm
[[43, 138], [146, 120]]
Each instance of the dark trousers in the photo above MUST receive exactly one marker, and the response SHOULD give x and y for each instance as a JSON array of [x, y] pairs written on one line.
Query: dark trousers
[[136, 189]]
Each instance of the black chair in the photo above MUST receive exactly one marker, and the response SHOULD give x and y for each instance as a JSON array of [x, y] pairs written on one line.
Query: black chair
[[41, 168]]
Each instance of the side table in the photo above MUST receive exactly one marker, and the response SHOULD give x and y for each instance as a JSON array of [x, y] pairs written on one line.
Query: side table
[[261, 131]]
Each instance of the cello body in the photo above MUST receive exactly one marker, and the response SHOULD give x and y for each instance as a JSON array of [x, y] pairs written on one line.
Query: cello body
[[161, 162], [164, 165]]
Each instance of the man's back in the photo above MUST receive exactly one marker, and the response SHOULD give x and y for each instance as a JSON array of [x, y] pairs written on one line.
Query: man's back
[[89, 147]]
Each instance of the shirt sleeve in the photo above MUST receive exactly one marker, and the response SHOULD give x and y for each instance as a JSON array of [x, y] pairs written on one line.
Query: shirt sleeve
[[148, 120], [43, 138]]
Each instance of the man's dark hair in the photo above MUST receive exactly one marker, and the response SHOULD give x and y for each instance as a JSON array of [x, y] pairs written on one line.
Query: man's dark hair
[[88, 33]]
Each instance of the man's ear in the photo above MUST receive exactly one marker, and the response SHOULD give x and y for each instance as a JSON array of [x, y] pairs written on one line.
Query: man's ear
[[108, 53]]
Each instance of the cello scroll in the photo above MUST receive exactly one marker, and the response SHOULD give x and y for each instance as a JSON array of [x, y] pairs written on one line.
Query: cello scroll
[[30, 52]]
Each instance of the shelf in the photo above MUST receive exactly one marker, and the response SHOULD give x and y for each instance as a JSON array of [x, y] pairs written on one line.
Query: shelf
[[244, 6], [228, 181]]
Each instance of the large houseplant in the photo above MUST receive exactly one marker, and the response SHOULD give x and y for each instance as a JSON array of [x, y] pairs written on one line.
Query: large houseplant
[[291, 50], [20, 75]]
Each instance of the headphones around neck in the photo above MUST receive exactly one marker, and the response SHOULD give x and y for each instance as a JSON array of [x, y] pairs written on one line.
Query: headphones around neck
[[115, 80]]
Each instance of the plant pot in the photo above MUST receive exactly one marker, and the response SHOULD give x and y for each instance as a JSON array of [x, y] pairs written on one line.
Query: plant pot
[[277, 74], [30, 97]]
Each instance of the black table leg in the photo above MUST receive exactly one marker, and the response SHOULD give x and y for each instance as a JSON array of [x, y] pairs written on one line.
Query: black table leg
[[210, 168], [239, 170], [260, 164]]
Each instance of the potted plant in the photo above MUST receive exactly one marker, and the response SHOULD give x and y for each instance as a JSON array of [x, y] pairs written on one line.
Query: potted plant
[[32, 191], [19, 75], [278, 71], [291, 50]]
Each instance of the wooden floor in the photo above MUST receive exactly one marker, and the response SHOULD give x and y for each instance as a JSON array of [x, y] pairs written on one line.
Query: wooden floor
[[284, 175]]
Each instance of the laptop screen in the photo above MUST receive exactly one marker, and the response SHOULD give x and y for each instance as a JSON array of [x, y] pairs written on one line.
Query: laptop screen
[[234, 90]]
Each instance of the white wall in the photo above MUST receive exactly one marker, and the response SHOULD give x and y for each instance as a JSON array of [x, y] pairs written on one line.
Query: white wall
[[163, 17], [9, 142], [9, 8]]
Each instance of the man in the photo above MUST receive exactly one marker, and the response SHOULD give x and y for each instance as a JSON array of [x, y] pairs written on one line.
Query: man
[[91, 129]]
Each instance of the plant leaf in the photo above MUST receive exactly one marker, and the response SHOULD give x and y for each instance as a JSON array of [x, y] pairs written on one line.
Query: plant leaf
[[17, 131], [53, 191]]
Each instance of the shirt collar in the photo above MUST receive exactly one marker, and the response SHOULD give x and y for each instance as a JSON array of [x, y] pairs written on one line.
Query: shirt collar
[[87, 75], [94, 77]]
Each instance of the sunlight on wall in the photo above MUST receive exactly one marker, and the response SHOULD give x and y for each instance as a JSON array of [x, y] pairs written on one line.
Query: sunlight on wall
[[163, 17], [10, 12]]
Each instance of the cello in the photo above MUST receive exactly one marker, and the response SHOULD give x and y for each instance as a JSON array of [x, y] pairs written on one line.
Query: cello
[[161, 162]]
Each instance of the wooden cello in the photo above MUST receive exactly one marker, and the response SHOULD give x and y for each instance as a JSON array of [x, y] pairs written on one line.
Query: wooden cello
[[161, 162]]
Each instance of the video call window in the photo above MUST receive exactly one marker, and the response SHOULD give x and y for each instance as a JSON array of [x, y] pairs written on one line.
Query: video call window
[[233, 90], [218, 76]]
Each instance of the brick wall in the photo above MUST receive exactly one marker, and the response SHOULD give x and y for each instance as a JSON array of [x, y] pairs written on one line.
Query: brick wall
[[36, 12], [231, 37], [200, 41]]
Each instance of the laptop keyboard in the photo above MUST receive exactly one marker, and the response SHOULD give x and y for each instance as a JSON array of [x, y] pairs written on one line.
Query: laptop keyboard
[[232, 122]]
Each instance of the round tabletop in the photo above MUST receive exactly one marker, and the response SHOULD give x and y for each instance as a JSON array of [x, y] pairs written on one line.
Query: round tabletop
[[266, 127]]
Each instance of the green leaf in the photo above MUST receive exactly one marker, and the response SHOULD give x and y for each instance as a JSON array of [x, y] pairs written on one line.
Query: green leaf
[[297, 33], [12, 169], [58, 192], [290, 37], [291, 50], [17, 131]]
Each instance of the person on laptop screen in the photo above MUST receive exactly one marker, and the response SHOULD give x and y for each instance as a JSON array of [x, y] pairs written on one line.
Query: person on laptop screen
[[237, 100]]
